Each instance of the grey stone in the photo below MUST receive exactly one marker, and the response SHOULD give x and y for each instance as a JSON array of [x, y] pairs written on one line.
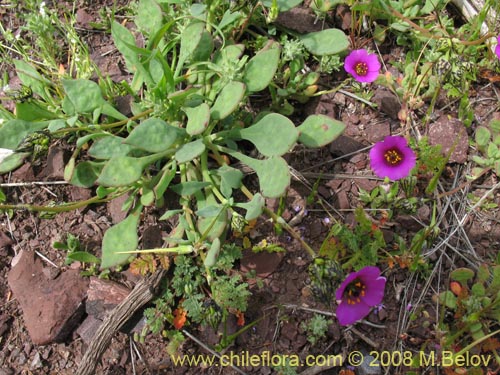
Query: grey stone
[[368, 366]]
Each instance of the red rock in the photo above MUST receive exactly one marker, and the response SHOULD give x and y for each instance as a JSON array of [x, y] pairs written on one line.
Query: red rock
[[115, 209], [5, 240], [387, 102], [51, 308], [104, 295], [450, 132], [263, 263]]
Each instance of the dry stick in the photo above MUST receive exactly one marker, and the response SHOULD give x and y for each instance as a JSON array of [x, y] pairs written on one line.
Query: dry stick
[[142, 293]]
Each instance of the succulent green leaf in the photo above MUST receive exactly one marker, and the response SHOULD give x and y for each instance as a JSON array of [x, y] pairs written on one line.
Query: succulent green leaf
[[273, 135], [189, 151], [209, 211], [190, 38], [274, 176], [254, 207], [189, 187], [230, 17], [483, 136], [229, 53], [165, 180], [109, 146], [213, 253], [448, 299], [228, 100], [326, 42], [82, 96], [30, 77], [319, 130], [149, 16], [12, 161], [154, 135], [147, 196], [213, 227], [260, 70], [492, 151], [462, 274], [123, 170], [85, 174], [198, 118], [14, 131], [478, 290], [283, 5], [169, 213], [125, 43], [118, 238], [83, 256], [204, 48], [33, 111], [495, 126], [230, 179]]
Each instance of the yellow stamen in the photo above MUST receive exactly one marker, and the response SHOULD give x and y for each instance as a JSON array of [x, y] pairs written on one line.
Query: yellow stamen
[[393, 157], [361, 68]]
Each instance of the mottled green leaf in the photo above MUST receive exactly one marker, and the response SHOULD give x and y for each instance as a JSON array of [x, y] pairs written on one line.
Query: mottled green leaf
[[228, 100], [462, 274], [273, 135], [189, 151], [283, 5], [84, 95], [212, 253], [189, 188], [149, 16], [12, 161], [319, 130], [154, 135], [85, 174], [254, 207], [198, 118], [230, 179], [260, 70], [190, 38], [448, 299], [108, 147], [326, 42], [274, 176], [14, 131], [118, 238], [123, 170]]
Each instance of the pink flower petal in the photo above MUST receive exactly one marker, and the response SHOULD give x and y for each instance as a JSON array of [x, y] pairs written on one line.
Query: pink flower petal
[[382, 167], [349, 314], [361, 56]]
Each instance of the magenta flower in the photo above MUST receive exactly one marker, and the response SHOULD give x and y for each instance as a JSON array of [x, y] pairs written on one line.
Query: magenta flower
[[363, 66], [392, 158], [359, 292], [497, 48]]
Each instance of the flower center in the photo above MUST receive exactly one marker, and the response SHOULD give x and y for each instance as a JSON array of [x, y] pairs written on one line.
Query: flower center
[[354, 291], [361, 68], [393, 157]]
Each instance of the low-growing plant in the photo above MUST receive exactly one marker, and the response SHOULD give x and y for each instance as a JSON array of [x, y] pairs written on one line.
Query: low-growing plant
[[189, 130], [316, 328], [473, 299], [488, 144]]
